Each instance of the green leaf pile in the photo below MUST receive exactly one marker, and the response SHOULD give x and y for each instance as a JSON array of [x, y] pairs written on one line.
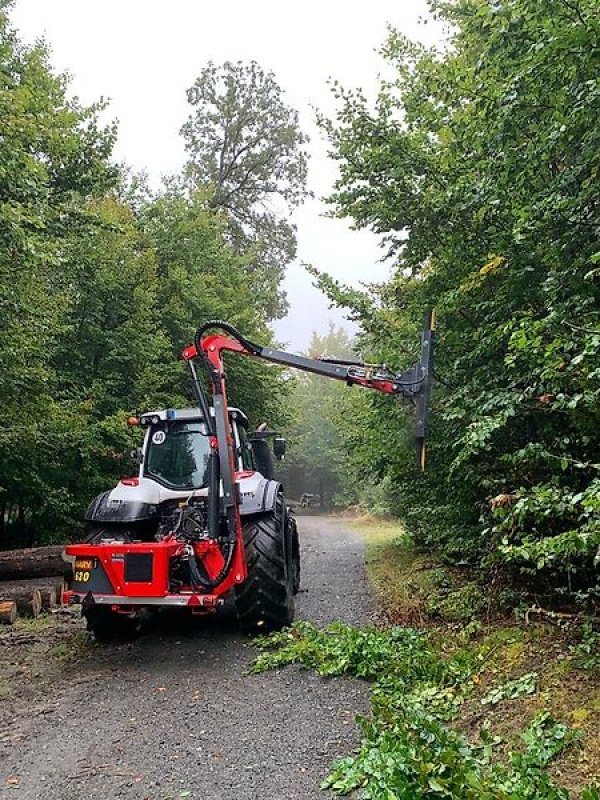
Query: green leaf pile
[[408, 749]]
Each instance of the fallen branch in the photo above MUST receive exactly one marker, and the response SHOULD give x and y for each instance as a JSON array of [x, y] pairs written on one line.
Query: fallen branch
[[553, 616]]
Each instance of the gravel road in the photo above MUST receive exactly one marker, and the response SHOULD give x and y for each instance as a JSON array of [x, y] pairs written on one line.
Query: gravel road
[[173, 715]]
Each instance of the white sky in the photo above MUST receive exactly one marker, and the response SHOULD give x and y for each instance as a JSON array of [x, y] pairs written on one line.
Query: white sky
[[144, 54]]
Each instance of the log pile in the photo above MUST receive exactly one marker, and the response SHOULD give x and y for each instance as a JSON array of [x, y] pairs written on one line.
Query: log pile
[[33, 562], [31, 582]]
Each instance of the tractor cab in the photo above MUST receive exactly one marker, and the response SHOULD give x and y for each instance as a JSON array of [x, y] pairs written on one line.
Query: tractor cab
[[173, 468], [176, 449]]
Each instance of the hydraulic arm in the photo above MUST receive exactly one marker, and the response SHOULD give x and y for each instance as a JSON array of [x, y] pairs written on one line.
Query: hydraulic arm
[[413, 384]]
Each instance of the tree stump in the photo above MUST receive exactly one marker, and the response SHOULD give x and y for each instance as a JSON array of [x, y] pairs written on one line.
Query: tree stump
[[8, 612], [28, 600]]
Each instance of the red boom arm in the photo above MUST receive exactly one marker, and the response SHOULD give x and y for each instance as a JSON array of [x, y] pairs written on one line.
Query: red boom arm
[[414, 383]]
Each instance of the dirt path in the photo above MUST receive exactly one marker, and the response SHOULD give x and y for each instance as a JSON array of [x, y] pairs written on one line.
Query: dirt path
[[173, 715]]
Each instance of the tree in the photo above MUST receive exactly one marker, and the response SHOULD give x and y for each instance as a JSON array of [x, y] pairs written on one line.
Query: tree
[[201, 277], [102, 285], [316, 461], [478, 166], [245, 142], [53, 162]]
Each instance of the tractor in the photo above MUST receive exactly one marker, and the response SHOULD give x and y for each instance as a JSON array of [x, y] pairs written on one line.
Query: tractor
[[205, 517]]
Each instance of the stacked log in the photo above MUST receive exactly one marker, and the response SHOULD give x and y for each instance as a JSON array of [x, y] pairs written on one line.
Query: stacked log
[[27, 599], [31, 581], [33, 562]]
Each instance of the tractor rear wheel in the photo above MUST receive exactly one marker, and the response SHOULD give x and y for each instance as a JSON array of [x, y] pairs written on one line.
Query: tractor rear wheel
[[294, 553], [265, 601]]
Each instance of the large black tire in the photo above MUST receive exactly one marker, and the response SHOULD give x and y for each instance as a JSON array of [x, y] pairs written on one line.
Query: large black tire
[[97, 533], [265, 601], [294, 552], [108, 626]]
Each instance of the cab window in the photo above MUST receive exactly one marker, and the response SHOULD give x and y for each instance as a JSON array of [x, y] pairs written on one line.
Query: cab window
[[246, 452]]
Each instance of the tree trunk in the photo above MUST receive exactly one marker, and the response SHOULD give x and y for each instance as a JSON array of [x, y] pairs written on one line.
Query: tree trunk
[[35, 562], [8, 612], [28, 600]]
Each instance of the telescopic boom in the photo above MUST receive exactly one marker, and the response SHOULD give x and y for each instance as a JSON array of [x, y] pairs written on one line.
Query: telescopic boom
[[414, 383]]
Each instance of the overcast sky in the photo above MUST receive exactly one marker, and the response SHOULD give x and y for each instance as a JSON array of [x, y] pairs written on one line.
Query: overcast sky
[[144, 54]]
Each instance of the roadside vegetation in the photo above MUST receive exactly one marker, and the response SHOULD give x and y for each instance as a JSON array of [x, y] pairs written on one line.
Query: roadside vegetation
[[104, 280], [478, 165], [470, 697]]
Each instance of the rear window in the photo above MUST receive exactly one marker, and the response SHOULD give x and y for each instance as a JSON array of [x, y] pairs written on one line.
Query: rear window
[[177, 455]]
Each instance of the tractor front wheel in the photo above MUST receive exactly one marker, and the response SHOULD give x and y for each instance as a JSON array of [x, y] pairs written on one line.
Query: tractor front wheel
[[109, 626], [265, 601]]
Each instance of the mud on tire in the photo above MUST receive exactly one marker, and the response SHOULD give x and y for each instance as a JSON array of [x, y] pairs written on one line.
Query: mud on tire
[[265, 601]]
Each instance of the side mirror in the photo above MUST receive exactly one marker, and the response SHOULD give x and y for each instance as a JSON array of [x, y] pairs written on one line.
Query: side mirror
[[279, 447], [137, 454]]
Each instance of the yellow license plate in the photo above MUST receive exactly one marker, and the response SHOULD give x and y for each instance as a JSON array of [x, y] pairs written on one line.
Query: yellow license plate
[[82, 569], [83, 564]]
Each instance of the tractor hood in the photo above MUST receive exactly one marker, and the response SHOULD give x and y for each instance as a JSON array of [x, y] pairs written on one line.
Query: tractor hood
[[138, 499]]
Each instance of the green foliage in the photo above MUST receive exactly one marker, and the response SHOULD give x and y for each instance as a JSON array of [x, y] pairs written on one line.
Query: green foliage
[[201, 277], [511, 690], [587, 652], [457, 605], [317, 461], [102, 285], [53, 164], [407, 749], [246, 144], [478, 165]]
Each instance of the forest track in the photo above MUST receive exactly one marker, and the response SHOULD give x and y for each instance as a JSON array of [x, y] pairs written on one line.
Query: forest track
[[173, 714]]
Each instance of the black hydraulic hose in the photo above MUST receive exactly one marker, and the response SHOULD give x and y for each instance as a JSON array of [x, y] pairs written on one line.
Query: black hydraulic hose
[[213, 501], [199, 582], [256, 349]]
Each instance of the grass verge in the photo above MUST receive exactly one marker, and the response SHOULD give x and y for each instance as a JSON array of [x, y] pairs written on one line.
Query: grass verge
[[468, 702], [564, 657]]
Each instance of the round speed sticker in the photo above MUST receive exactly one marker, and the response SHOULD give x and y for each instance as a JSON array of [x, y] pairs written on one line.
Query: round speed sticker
[[158, 437]]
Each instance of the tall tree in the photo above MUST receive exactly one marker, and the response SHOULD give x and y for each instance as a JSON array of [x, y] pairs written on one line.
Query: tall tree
[[200, 278], [246, 142], [53, 160], [479, 166], [316, 461]]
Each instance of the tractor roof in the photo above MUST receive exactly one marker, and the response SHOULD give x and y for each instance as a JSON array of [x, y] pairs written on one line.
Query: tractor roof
[[188, 414]]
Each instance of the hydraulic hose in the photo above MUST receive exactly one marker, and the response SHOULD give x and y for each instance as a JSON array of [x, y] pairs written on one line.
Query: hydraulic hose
[[256, 349], [199, 582], [212, 500]]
